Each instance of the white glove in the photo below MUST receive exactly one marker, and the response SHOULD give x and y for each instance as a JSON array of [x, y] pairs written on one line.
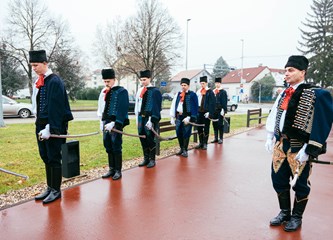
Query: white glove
[[186, 120], [206, 115], [172, 121], [101, 125], [149, 124], [269, 142], [301, 155], [109, 126], [222, 112], [45, 133]]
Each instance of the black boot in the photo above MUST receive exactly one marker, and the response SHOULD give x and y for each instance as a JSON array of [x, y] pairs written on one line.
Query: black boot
[[48, 181], [111, 171], [184, 153], [284, 215], [56, 178], [200, 142], [215, 137], [181, 145], [118, 166], [296, 218], [145, 158], [152, 155], [204, 145], [220, 141]]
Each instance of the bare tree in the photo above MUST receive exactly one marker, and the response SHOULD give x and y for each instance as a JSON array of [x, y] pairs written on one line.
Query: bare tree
[[149, 40], [30, 27], [107, 45]]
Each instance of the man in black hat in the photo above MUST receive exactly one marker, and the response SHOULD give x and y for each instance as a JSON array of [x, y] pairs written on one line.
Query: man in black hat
[[184, 109], [207, 103], [294, 122], [148, 106], [113, 109], [220, 110], [51, 107]]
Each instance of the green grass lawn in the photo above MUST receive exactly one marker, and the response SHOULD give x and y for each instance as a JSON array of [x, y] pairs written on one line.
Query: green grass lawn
[[19, 152]]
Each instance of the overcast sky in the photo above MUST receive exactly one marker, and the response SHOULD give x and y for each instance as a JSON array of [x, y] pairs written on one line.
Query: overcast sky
[[269, 28]]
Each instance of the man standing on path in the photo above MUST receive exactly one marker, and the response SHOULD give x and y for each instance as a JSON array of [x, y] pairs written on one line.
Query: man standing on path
[[207, 103], [148, 106], [51, 107], [113, 109], [184, 109], [220, 111], [300, 120]]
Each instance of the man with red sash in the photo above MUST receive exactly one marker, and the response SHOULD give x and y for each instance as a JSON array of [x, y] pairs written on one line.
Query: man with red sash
[[51, 107], [184, 109], [148, 106], [300, 121], [206, 103], [220, 111]]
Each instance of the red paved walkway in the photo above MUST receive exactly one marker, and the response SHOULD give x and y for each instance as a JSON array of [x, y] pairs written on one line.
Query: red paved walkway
[[222, 193]]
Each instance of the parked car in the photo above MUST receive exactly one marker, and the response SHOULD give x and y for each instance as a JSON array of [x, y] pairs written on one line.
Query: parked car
[[13, 108], [167, 96], [131, 105], [232, 106]]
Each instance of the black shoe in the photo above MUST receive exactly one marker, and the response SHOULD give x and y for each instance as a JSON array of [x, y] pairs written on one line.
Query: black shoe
[[184, 154], [214, 141], [282, 217], [204, 146], [220, 141], [43, 195], [144, 163], [180, 152], [293, 224], [54, 195], [117, 175], [110, 173], [151, 164], [199, 146]]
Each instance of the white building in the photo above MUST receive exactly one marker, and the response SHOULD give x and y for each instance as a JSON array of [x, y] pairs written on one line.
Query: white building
[[237, 90], [193, 75]]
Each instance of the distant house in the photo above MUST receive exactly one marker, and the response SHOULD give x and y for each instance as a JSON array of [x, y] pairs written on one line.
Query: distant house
[[95, 80], [193, 75], [238, 89]]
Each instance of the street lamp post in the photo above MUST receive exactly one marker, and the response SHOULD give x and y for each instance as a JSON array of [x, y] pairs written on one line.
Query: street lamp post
[[187, 41]]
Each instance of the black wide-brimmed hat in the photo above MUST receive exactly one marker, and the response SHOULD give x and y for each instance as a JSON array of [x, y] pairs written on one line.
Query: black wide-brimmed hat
[[108, 73], [37, 56], [298, 61], [185, 80], [218, 79], [203, 79], [145, 74]]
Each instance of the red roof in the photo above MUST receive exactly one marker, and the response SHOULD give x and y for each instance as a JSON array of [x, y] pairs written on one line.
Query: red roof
[[248, 74]]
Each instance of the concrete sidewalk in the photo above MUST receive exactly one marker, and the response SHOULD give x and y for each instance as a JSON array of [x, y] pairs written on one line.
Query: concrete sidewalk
[[222, 193]]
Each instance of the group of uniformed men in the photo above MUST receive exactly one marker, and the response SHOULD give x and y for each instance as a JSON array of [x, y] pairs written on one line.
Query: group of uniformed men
[[187, 109], [300, 121]]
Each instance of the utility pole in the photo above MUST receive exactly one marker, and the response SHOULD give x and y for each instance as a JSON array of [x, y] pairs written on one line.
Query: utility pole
[[242, 60], [187, 41]]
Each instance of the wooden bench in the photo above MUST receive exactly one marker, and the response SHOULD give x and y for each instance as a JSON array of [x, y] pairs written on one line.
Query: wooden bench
[[254, 112], [165, 126]]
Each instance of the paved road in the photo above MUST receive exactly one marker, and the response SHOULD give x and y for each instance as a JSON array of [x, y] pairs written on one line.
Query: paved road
[[91, 115]]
